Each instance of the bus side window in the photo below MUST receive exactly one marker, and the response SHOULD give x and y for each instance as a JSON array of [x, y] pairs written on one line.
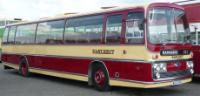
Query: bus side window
[[11, 35], [25, 34], [5, 36], [113, 29], [135, 28], [50, 32], [84, 30]]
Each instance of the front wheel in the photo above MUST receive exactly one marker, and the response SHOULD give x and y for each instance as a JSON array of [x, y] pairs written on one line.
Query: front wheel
[[23, 69], [100, 78]]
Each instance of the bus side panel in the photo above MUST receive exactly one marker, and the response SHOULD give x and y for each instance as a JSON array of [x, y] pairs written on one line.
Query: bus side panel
[[4, 57], [137, 71], [78, 66], [196, 57], [14, 59], [124, 69], [129, 70], [34, 61]]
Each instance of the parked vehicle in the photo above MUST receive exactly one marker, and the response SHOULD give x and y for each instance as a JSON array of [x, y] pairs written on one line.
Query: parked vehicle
[[145, 46], [193, 15]]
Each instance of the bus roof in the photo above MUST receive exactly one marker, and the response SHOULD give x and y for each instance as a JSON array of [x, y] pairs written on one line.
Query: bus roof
[[102, 11]]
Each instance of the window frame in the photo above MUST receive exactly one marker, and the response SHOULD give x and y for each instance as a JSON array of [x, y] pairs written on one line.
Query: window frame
[[9, 35], [101, 37], [4, 43], [123, 14], [34, 42], [144, 34], [36, 33]]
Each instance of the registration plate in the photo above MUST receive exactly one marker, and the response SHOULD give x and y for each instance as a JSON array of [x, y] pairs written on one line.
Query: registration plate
[[177, 82]]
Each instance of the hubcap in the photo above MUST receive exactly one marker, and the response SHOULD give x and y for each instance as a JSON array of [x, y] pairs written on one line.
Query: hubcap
[[100, 77]]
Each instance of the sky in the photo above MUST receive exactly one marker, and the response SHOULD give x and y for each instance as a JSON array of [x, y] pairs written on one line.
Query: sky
[[35, 9]]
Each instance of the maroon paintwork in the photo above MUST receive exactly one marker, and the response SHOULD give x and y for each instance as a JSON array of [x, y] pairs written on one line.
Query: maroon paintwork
[[134, 71], [192, 11], [196, 58], [171, 66], [139, 71], [127, 70], [193, 15]]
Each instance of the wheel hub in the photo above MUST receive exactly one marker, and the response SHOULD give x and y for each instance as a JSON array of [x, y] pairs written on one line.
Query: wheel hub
[[100, 77]]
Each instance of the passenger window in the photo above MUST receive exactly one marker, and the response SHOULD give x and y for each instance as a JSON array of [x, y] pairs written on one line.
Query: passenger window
[[84, 30], [11, 35], [50, 32], [113, 29], [135, 28], [25, 34], [5, 36]]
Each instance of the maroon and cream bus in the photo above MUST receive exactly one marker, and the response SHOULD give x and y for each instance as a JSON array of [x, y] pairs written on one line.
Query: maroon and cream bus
[[143, 46], [192, 11]]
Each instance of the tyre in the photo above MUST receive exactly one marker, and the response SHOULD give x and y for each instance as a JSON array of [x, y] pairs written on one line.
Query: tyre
[[100, 78], [24, 68]]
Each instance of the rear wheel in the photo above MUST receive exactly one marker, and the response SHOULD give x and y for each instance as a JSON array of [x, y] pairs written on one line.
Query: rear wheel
[[100, 78], [23, 69]]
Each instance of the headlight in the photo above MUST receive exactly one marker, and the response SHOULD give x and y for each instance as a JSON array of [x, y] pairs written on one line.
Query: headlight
[[191, 71], [190, 64], [164, 69], [159, 67], [157, 75]]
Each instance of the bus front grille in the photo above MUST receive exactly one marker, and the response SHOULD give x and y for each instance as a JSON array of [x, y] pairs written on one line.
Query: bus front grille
[[175, 74]]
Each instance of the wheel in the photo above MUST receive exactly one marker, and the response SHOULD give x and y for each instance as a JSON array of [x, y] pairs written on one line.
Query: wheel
[[23, 69], [100, 78]]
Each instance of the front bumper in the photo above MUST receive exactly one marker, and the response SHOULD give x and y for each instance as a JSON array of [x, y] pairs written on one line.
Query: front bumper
[[149, 84]]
